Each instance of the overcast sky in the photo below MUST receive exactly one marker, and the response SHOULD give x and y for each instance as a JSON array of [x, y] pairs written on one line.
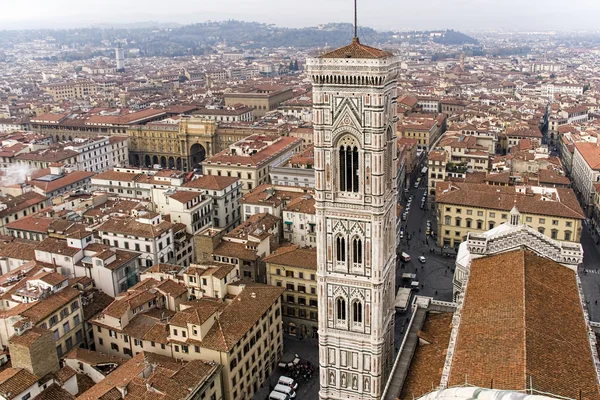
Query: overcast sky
[[462, 15]]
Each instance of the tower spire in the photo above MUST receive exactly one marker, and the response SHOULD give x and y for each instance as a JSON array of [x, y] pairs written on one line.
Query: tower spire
[[355, 21]]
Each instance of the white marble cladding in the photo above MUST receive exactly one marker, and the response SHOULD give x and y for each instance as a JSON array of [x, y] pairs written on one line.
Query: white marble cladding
[[566, 253]]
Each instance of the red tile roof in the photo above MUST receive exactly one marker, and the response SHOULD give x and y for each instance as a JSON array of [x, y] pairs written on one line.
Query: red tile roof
[[357, 50], [523, 324]]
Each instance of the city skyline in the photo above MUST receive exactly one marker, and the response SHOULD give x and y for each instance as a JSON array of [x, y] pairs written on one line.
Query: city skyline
[[459, 15]]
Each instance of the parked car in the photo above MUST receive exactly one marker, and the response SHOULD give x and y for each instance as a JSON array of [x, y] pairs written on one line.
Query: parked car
[[422, 259]]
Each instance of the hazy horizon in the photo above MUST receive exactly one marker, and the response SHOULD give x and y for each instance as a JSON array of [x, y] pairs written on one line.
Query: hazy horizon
[[464, 15]]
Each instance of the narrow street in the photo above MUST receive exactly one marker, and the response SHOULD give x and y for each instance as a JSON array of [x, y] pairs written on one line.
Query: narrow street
[[590, 273], [435, 275]]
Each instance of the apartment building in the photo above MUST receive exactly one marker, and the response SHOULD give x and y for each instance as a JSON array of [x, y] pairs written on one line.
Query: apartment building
[[242, 334], [145, 233], [228, 114], [425, 129], [113, 271], [412, 154], [210, 280], [151, 375], [298, 171], [45, 301], [294, 268], [14, 207], [473, 207], [225, 192], [43, 158], [33, 227], [119, 146], [260, 99], [94, 154], [270, 199], [71, 90], [192, 209], [35, 371], [464, 150], [252, 158], [436, 167], [299, 221], [515, 135], [245, 246], [136, 183], [58, 182], [550, 89], [429, 104], [575, 114], [586, 172]]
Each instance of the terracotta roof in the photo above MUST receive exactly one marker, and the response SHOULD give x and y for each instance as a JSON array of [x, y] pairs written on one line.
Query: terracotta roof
[[14, 381], [504, 197], [57, 246], [425, 369], [18, 203], [293, 256], [119, 176], [278, 145], [29, 337], [66, 180], [241, 315], [130, 226], [42, 309], [184, 196], [258, 225], [590, 153], [357, 50], [54, 392], [532, 331], [211, 182], [198, 314], [99, 301], [92, 357], [272, 195], [48, 155], [122, 257], [18, 250], [167, 379], [304, 204]]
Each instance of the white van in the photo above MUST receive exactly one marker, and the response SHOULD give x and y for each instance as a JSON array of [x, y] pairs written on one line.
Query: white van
[[404, 257], [286, 390], [287, 381], [278, 396]]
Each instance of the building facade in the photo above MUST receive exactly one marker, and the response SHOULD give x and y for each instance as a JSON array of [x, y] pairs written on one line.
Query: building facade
[[477, 208], [295, 269], [179, 146], [355, 200]]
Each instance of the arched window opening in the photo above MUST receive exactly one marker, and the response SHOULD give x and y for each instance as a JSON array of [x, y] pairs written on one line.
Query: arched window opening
[[348, 168], [357, 251], [357, 312], [340, 249], [340, 305]]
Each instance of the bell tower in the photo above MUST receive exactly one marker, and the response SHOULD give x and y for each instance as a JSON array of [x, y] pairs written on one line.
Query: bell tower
[[354, 91]]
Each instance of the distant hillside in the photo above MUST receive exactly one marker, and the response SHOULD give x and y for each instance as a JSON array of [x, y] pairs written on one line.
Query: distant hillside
[[197, 39]]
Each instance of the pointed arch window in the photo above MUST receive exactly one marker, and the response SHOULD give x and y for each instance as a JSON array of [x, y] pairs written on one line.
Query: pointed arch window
[[348, 168], [340, 309], [357, 312], [357, 251], [340, 249]]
